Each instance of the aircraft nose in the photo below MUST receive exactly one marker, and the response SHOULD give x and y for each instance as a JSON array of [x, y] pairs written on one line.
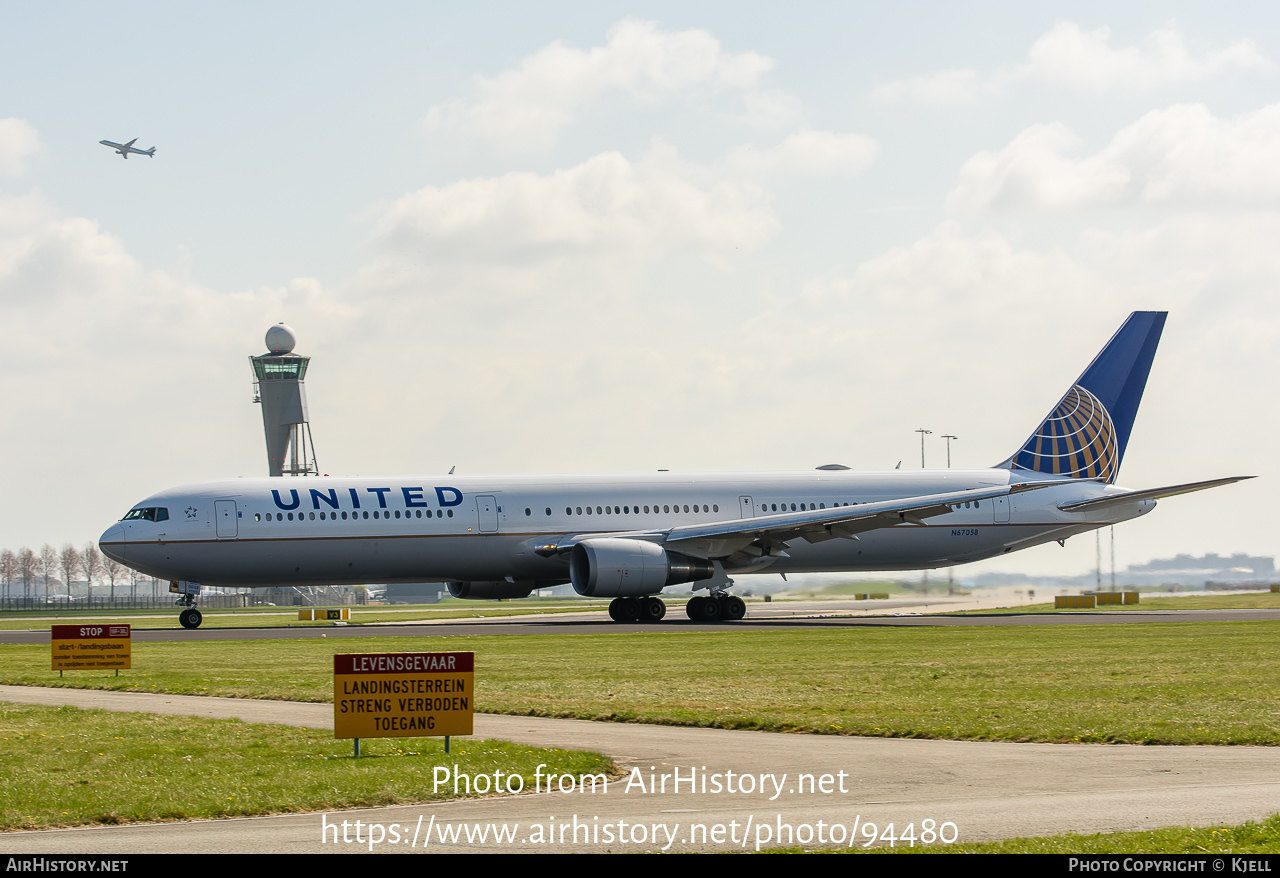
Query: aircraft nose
[[112, 543]]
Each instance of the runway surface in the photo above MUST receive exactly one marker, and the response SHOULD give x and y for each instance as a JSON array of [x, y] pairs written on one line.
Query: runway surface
[[978, 790], [826, 614]]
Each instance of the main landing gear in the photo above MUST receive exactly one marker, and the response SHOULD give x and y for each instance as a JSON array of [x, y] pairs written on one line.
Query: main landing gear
[[716, 608], [646, 609]]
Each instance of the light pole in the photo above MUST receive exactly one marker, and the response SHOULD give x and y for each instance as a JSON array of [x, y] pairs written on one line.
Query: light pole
[[923, 432], [949, 437]]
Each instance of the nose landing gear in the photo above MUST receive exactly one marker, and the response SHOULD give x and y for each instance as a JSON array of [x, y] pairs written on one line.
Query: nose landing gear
[[187, 593]]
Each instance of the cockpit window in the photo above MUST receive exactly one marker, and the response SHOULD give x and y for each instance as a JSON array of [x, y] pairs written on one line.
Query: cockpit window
[[150, 513]]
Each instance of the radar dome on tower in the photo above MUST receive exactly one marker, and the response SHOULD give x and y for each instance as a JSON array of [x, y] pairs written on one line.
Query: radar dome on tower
[[280, 339]]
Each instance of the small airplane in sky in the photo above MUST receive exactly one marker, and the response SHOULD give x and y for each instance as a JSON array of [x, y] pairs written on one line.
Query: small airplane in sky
[[125, 148]]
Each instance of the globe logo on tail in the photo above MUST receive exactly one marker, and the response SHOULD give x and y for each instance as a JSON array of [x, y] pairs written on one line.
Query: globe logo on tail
[[1077, 440]]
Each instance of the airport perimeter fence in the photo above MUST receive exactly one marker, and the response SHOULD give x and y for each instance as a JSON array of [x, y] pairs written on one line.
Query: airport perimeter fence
[[166, 601]]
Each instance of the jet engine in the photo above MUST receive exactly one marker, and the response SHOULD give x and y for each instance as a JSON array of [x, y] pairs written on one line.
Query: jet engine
[[609, 568], [493, 591]]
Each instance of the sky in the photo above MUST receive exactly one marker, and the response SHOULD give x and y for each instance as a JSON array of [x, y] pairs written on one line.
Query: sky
[[523, 237]]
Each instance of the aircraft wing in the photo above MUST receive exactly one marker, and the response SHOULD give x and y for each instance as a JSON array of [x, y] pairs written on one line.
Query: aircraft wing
[[769, 534], [1149, 494]]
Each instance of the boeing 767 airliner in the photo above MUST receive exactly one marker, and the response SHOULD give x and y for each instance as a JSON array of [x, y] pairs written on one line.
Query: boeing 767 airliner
[[630, 536]]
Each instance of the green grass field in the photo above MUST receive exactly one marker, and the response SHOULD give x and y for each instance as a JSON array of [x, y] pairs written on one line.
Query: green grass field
[[1180, 683], [67, 767], [1208, 601]]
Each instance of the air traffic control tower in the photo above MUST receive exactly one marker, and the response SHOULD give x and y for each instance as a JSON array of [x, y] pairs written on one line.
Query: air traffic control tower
[[278, 385]]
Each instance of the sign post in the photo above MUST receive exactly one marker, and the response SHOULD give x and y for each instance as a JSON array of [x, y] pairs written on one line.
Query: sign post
[[403, 695], [91, 647]]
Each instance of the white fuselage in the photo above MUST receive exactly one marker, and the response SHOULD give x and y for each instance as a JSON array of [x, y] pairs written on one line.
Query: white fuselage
[[314, 531]]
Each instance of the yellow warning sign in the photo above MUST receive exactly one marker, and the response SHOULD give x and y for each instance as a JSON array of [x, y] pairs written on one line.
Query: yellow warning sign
[[91, 647], [403, 695]]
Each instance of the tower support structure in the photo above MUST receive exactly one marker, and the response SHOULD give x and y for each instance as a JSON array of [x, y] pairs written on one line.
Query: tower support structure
[[279, 386]]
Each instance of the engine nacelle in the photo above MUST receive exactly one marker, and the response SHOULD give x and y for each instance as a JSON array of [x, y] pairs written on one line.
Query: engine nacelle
[[492, 591], [610, 568]]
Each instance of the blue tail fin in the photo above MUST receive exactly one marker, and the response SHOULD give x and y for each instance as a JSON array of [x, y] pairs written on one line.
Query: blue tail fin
[[1085, 435]]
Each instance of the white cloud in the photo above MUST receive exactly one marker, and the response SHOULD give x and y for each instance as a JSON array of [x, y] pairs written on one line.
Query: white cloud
[[1182, 156], [18, 141], [607, 205], [525, 108], [1072, 57], [808, 152]]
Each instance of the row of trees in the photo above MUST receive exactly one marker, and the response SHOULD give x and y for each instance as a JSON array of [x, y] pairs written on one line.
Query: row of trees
[[50, 568]]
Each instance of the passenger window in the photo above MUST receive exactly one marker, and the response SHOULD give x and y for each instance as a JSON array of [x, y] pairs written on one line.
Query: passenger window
[[257, 516], [548, 510]]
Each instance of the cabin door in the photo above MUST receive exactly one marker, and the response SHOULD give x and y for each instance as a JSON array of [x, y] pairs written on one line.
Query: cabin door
[[487, 508], [224, 512]]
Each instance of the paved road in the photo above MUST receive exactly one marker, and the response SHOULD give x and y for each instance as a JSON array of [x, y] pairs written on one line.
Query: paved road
[[985, 790], [761, 618]]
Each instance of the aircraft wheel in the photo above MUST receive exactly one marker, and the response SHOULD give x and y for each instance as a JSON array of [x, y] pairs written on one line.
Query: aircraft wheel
[[733, 608], [614, 606], [652, 609], [691, 608], [190, 618], [702, 609], [628, 610]]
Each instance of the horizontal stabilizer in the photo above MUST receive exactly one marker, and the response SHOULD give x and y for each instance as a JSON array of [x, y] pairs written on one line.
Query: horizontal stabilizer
[[1149, 494]]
